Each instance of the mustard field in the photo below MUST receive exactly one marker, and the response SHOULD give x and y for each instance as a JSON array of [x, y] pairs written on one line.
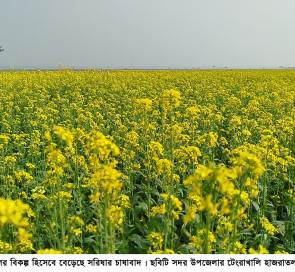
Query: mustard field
[[132, 162]]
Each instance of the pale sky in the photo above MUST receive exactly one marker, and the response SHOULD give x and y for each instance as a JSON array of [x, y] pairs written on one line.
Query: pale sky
[[40, 34]]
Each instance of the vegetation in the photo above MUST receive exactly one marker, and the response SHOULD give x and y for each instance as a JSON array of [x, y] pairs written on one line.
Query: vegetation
[[147, 161]]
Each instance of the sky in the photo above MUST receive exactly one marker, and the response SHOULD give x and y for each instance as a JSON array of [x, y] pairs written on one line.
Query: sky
[[163, 34]]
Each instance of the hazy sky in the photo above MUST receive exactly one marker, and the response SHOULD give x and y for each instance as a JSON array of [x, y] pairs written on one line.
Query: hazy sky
[[147, 33]]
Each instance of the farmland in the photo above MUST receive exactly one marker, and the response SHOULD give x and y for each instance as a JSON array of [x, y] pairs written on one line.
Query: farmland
[[102, 161]]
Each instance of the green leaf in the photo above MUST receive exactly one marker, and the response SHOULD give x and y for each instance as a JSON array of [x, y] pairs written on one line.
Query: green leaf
[[186, 249], [142, 206], [140, 242], [280, 226], [89, 240], [255, 205]]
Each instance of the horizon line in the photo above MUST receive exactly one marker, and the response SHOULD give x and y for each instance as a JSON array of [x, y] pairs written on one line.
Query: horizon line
[[75, 68]]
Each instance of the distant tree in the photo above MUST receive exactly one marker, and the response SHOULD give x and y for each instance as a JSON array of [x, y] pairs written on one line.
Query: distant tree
[[1, 49]]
